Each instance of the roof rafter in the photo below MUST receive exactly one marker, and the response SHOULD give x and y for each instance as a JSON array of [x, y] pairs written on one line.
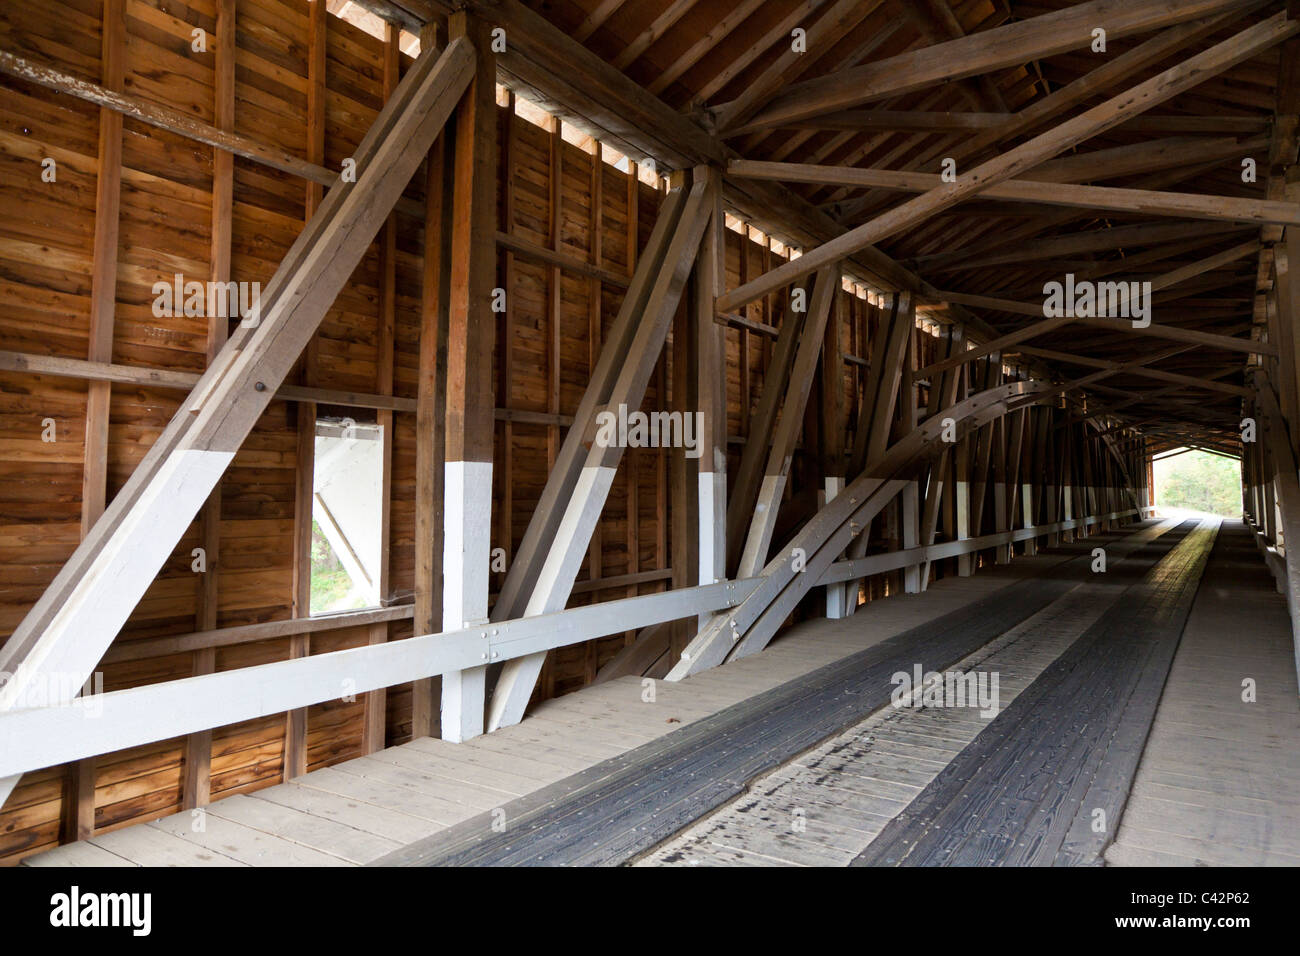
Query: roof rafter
[[1009, 45], [1158, 89], [1154, 202]]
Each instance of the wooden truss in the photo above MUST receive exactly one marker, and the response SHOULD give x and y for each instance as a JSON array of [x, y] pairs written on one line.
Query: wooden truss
[[82, 611], [987, 454]]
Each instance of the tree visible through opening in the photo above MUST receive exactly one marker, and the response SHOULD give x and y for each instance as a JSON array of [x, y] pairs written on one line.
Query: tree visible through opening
[[1199, 481]]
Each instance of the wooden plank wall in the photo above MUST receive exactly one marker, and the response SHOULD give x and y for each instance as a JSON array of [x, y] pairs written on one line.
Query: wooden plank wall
[[556, 195]]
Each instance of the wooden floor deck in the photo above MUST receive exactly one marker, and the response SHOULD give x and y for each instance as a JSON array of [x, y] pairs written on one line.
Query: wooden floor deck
[[828, 807], [358, 811], [1218, 780]]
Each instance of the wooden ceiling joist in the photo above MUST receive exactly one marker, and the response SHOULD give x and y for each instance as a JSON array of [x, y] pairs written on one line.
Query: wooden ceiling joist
[[1153, 202], [1190, 381], [1137, 236], [1051, 324], [841, 17], [1158, 89], [1005, 46]]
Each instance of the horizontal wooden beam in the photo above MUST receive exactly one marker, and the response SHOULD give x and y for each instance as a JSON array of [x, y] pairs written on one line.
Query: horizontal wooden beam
[[1152, 202], [940, 121], [83, 609], [532, 250], [164, 118], [918, 120], [1077, 244], [1005, 46], [45, 736], [1190, 381], [151, 647], [893, 560], [184, 381], [182, 124], [168, 378], [38, 737], [1158, 89]]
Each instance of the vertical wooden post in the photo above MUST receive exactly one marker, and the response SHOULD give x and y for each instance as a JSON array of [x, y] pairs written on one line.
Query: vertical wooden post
[[196, 785], [1015, 434], [430, 416], [1000, 437], [683, 471], [1286, 262], [1069, 452], [909, 501], [506, 329], [79, 795], [1052, 469], [374, 719], [595, 336], [633, 498], [295, 732], [660, 457], [470, 406], [1089, 481], [832, 424], [1028, 483], [1270, 499], [746, 389], [552, 345], [982, 443], [711, 378], [961, 502], [554, 281]]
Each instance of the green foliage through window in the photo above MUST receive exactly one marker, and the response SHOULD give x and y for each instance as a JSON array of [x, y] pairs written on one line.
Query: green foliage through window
[[1199, 481], [331, 585]]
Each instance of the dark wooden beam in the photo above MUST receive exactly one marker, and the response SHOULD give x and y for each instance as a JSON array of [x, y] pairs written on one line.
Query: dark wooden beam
[[1148, 201], [1010, 45], [1158, 89]]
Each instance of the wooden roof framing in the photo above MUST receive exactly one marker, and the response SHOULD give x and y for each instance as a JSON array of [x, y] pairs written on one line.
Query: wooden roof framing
[[874, 105], [829, 124]]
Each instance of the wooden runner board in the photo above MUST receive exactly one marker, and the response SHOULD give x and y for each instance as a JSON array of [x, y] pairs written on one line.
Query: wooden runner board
[[1024, 792], [621, 807]]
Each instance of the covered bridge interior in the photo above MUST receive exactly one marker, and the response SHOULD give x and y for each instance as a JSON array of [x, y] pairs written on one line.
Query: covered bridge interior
[[505, 431]]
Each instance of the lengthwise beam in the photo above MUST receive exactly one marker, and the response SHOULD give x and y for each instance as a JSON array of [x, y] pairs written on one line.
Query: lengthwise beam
[[164, 118], [1153, 202], [1160, 88], [1190, 381], [1011, 45], [1168, 280], [83, 609]]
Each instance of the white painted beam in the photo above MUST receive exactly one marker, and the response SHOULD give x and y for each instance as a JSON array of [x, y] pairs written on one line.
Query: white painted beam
[[568, 545]]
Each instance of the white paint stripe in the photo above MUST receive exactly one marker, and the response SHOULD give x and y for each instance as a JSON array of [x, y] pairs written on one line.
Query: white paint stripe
[[466, 564], [467, 542]]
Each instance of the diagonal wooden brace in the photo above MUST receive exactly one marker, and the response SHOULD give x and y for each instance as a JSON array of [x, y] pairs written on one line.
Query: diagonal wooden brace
[[67, 631]]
